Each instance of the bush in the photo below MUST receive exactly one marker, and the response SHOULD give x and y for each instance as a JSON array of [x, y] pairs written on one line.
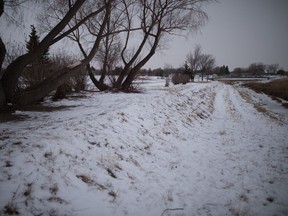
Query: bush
[[180, 78], [78, 82]]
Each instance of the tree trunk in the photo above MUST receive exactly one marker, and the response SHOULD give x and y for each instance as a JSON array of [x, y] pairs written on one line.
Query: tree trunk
[[99, 85], [14, 70], [106, 53], [1, 7], [192, 76], [129, 64], [33, 94], [120, 78], [131, 76], [2, 99], [2, 56]]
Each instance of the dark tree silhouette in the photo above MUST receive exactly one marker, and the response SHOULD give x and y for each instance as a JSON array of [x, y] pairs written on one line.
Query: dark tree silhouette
[[33, 42], [36, 70]]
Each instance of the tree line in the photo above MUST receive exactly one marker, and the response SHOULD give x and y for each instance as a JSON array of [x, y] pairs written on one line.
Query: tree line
[[197, 62], [125, 32]]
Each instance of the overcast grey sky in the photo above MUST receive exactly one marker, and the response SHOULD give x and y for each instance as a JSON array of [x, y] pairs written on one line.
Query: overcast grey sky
[[239, 32]]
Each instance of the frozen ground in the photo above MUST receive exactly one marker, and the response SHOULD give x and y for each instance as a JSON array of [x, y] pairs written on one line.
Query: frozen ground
[[195, 149]]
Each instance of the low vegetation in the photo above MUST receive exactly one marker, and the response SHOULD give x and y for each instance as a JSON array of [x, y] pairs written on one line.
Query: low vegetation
[[276, 89]]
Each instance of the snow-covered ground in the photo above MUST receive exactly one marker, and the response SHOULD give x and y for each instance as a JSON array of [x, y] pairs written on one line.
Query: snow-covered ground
[[195, 149]]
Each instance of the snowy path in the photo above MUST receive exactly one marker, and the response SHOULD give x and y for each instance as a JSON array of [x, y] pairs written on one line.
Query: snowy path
[[204, 148], [245, 157]]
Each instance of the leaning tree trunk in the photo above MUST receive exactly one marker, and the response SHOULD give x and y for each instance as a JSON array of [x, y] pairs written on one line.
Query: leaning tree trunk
[[1, 7], [100, 85], [33, 94], [2, 56]]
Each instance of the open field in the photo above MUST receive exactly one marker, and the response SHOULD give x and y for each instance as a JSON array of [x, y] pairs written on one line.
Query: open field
[[197, 149]]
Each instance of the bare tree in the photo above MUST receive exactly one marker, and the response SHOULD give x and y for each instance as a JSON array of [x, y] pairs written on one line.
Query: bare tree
[[158, 19], [207, 62], [200, 62], [272, 68], [257, 69], [193, 60]]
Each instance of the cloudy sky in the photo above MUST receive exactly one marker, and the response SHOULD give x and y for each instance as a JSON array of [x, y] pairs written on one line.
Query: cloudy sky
[[239, 32]]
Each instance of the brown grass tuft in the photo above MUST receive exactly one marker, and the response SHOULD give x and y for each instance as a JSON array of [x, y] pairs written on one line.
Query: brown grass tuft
[[11, 209]]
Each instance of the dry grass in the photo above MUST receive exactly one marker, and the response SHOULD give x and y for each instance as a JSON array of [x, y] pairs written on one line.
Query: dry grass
[[11, 209], [275, 88], [86, 179]]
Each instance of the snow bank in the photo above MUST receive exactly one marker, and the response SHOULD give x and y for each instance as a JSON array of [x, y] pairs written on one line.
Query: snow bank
[[195, 149]]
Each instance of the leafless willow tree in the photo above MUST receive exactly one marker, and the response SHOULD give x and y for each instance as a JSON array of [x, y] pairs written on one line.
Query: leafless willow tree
[[156, 19]]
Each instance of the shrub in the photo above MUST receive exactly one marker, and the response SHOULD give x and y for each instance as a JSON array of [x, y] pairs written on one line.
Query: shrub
[[79, 81], [180, 78]]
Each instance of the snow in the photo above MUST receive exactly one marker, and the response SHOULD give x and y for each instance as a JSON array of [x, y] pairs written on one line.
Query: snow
[[194, 149]]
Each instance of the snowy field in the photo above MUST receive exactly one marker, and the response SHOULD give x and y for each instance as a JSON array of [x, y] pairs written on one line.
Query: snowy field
[[195, 149]]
